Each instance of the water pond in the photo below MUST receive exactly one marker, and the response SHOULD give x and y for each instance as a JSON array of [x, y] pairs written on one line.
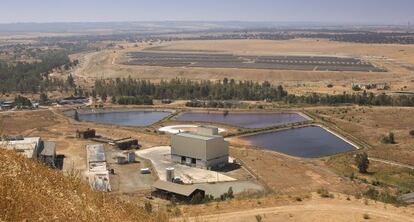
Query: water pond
[[308, 142], [125, 118], [244, 120]]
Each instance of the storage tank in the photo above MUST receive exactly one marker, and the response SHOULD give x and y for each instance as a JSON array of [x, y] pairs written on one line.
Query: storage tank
[[170, 174], [131, 157]]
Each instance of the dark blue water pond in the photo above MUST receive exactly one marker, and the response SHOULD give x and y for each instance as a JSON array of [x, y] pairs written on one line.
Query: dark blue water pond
[[308, 142], [127, 118], [245, 120]]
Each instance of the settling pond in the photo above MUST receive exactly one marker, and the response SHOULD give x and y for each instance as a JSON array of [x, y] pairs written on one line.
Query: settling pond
[[244, 120], [307, 142], [125, 118]]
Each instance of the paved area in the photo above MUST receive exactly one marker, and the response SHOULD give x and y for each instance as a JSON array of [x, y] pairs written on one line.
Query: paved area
[[160, 158], [127, 178]]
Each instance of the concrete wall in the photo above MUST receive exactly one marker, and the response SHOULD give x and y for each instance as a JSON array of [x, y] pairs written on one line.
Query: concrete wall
[[208, 153], [218, 162], [216, 147], [189, 147]]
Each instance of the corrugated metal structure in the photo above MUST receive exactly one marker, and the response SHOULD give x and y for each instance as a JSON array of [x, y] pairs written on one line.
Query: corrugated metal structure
[[98, 174], [86, 134], [28, 146], [199, 150], [407, 198], [181, 192], [48, 154]]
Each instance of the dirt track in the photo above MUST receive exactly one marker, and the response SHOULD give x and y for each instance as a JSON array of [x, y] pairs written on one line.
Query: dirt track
[[309, 212], [317, 209]]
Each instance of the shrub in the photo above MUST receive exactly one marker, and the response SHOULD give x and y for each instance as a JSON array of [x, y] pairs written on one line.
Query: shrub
[[324, 193], [389, 139], [362, 162]]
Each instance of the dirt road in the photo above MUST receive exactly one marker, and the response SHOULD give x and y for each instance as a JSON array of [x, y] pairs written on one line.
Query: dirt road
[[392, 163], [309, 212]]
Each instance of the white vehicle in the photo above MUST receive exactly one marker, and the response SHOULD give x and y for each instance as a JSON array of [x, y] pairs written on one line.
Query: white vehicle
[[145, 171]]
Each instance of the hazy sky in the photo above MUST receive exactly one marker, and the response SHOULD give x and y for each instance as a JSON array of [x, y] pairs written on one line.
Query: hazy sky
[[348, 11]]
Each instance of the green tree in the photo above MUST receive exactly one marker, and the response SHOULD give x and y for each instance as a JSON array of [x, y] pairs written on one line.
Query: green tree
[[104, 97], [76, 116], [389, 139], [362, 162], [230, 193], [70, 81], [44, 99]]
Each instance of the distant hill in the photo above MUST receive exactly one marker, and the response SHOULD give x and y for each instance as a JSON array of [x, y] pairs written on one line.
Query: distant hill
[[30, 191]]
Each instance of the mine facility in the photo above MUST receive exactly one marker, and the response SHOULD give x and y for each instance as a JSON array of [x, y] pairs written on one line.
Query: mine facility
[[125, 143], [32, 148], [185, 193], [97, 171], [73, 100], [6, 105], [48, 154], [86, 134], [204, 149]]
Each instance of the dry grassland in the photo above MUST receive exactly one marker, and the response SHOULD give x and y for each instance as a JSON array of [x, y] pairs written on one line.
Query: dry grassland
[[109, 64], [371, 124], [32, 192]]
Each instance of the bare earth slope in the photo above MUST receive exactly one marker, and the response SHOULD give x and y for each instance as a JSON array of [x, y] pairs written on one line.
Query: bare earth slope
[[32, 192]]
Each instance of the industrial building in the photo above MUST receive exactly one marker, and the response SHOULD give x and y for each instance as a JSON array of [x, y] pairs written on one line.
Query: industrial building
[[86, 134], [98, 174], [166, 190], [32, 148], [27, 146], [48, 154], [204, 149], [126, 143]]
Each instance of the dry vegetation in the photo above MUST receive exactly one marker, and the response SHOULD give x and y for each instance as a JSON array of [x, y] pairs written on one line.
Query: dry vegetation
[[108, 64], [292, 175], [32, 192], [311, 207], [371, 124]]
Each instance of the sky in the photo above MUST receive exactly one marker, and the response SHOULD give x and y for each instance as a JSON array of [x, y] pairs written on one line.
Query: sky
[[328, 11]]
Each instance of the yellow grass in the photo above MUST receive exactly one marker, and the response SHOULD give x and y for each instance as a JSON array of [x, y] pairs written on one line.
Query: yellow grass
[[32, 192]]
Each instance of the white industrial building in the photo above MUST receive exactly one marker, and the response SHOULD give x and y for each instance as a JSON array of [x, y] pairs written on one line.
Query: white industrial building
[[204, 149], [27, 146], [98, 174]]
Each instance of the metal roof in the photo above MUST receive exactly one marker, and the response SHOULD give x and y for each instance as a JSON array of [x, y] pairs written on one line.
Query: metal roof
[[49, 149], [95, 153], [26, 146], [184, 190], [198, 136], [408, 198]]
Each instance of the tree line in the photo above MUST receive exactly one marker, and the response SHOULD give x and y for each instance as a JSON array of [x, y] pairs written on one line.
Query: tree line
[[33, 77], [189, 90], [133, 91]]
